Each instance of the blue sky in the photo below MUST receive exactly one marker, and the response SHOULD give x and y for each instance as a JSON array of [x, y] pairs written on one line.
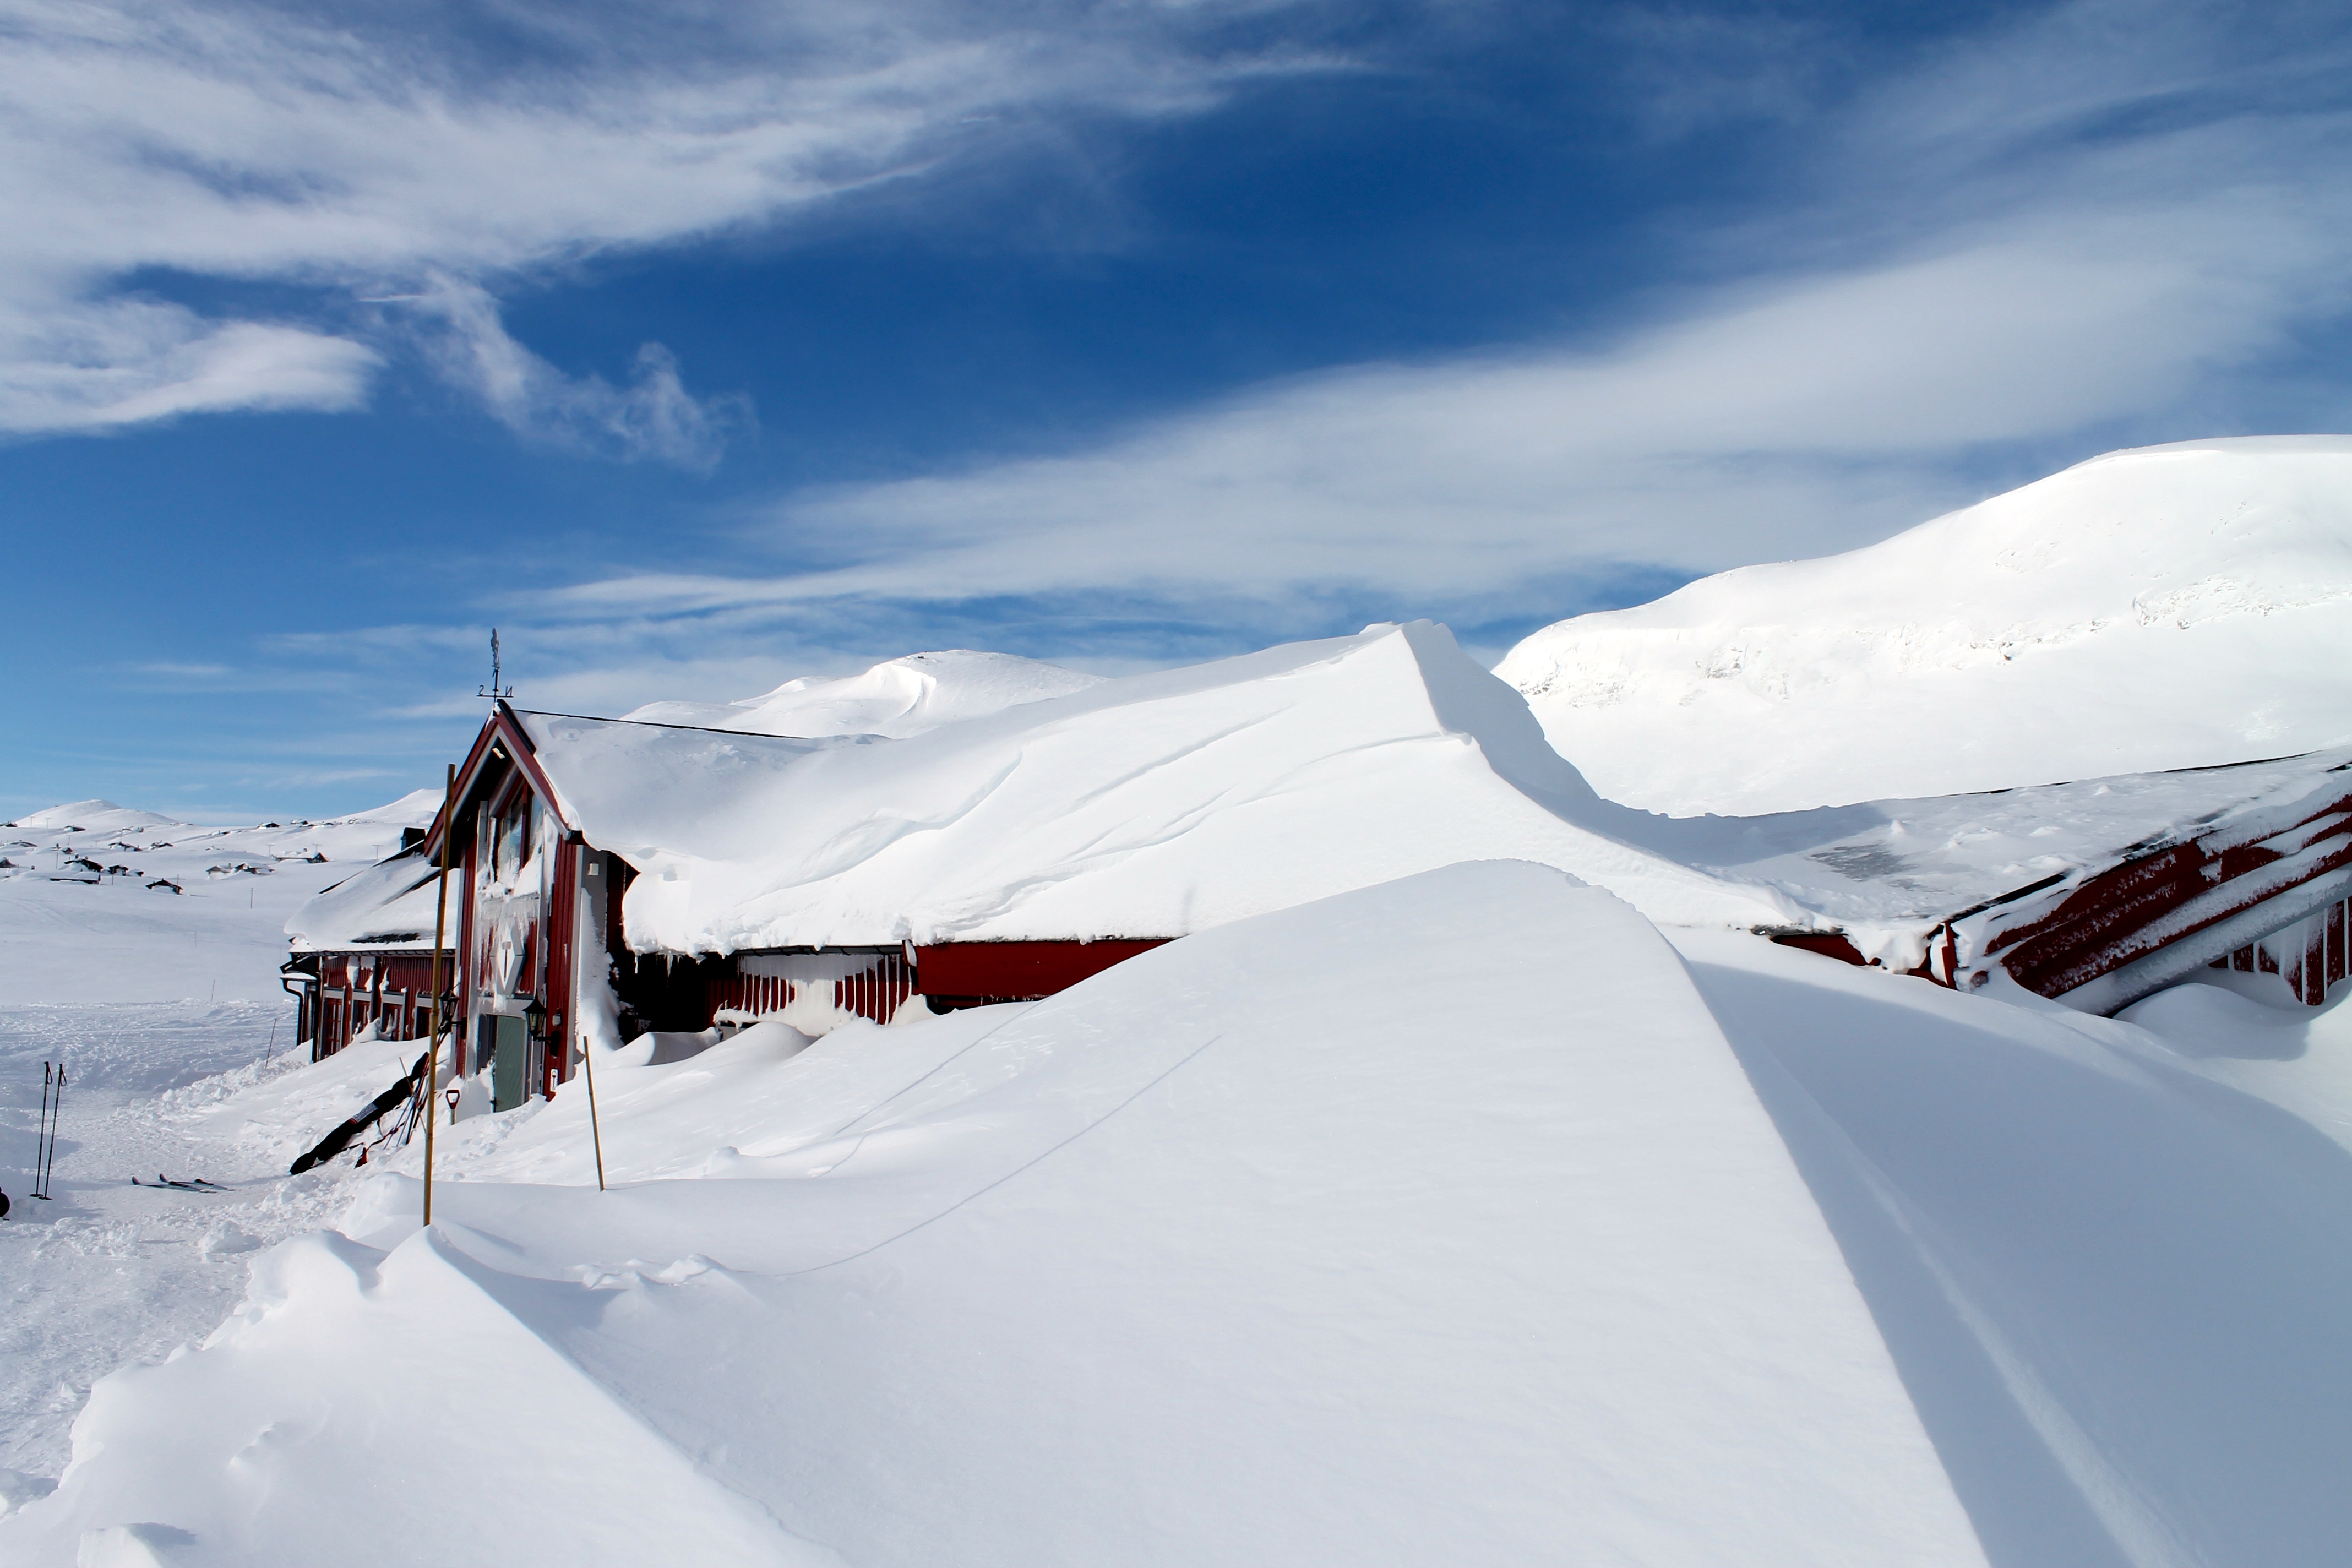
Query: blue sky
[[700, 349]]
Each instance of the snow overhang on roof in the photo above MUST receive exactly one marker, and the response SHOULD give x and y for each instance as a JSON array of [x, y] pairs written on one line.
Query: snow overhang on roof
[[1891, 873], [389, 907]]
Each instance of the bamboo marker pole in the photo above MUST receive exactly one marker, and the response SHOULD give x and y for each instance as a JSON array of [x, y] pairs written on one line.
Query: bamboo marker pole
[[440, 925], [595, 1135]]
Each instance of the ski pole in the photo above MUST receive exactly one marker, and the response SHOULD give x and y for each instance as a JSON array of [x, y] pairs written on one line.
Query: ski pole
[[41, 1136], [55, 1113]]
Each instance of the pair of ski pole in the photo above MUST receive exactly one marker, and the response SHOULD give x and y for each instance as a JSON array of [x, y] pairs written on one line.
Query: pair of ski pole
[[45, 1145]]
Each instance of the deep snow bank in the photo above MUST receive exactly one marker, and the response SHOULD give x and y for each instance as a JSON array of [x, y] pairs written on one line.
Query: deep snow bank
[[1436, 1222], [2165, 607], [898, 696], [1150, 807], [2116, 1281], [108, 1274]]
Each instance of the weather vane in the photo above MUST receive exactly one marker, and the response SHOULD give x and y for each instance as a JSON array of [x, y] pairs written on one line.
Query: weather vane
[[494, 690]]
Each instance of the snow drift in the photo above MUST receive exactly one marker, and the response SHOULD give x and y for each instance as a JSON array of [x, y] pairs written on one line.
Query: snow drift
[[1154, 805], [898, 696], [2164, 607], [2110, 1255], [1328, 1236], [1455, 1219], [1424, 1223]]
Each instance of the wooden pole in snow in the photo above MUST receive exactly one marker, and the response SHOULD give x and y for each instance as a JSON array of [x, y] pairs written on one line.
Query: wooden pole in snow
[[595, 1135], [440, 924]]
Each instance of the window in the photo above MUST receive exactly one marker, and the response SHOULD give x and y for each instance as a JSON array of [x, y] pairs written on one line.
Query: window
[[513, 838]]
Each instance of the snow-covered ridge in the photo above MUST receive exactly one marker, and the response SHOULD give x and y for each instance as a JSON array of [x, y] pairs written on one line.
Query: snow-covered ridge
[[898, 696], [2164, 607]]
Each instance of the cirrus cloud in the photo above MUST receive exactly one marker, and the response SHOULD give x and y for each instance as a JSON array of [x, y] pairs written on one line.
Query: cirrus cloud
[[2097, 228], [347, 158]]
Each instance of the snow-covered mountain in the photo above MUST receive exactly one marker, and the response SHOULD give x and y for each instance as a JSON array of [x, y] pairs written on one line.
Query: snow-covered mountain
[[92, 816], [2164, 607], [898, 696]]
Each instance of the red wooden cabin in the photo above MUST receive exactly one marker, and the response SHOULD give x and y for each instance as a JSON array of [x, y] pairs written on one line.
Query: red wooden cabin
[[537, 933]]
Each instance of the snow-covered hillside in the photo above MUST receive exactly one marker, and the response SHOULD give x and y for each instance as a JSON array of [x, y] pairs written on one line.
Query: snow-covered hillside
[[99, 903], [2165, 607], [898, 696], [92, 816], [141, 954]]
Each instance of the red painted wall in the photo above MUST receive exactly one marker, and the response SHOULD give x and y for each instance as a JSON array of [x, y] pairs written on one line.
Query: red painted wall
[[2105, 921], [1017, 971]]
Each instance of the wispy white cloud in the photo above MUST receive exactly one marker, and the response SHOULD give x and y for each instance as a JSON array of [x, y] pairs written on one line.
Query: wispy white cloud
[[2015, 253], [241, 142], [70, 364], [653, 416], [2091, 228]]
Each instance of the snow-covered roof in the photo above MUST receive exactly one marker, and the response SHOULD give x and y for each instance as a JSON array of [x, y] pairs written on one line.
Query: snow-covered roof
[[898, 696], [2166, 607], [1148, 806], [387, 908], [1161, 804], [1889, 871]]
